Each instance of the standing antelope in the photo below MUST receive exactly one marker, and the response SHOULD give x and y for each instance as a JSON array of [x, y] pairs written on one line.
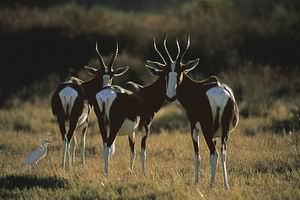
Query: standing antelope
[[72, 102], [210, 106], [122, 110]]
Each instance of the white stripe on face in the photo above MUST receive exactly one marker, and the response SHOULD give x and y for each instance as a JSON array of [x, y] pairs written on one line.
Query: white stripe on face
[[172, 82], [106, 80]]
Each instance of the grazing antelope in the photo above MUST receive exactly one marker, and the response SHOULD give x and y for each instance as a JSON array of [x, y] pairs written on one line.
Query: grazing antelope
[[122, 110], [210, 106], [71, 102]]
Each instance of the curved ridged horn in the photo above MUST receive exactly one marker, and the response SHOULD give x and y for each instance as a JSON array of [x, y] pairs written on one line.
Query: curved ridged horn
[[166, 49], [113, 58], [101, 61], [188, 41], [178, 48], [155, 47]]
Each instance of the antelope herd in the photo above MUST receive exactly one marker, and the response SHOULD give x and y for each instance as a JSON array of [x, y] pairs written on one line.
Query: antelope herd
[[124, 109]]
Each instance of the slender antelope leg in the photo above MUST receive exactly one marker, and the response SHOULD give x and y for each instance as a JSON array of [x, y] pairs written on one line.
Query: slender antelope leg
[[195, 133], [110, 145], [75, 114], [213, 153], [69, 139], [62, 128], [105, 159], [68, 157], [224, 167], [213, 166], [82, 142], [106, 152], [64, 152], [73, 145], [131, 140], [145, 131], [103, 132], [226, 121]]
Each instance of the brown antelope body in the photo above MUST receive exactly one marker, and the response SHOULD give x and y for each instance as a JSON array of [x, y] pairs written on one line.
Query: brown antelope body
[[210, 107], [71, 102]]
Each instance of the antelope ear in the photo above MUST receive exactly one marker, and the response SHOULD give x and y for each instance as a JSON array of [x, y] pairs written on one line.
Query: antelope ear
[[155, 68], [120, 71], [189, 66], [91, 70]]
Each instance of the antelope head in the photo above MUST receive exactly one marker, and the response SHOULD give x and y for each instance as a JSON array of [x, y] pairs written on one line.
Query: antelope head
[[106, 72], [172, 69]]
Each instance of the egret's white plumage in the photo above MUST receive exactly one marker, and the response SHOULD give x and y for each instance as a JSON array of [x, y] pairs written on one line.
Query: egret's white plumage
[[36, 155]]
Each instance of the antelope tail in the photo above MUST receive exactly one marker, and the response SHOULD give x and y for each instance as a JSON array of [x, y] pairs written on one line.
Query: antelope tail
[[216, 120]]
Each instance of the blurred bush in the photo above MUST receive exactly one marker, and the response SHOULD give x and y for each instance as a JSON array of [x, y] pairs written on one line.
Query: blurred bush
[[252, 46]]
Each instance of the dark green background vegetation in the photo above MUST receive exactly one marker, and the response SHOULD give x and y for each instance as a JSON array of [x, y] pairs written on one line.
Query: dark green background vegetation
[[251, 45]]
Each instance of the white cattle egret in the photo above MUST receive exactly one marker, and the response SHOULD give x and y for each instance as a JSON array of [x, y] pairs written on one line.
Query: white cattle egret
[[36, 155]]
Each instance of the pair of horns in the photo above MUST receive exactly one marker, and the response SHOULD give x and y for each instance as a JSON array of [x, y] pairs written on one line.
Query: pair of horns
[[178, 49], [112, 60]]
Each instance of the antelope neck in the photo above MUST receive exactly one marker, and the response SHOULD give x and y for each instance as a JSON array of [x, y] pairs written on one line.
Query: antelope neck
[[154, 94], [92, 86]]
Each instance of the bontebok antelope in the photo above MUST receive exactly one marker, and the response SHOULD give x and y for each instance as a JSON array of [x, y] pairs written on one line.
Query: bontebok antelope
[[121, 110], [72, 102], [210, 107]]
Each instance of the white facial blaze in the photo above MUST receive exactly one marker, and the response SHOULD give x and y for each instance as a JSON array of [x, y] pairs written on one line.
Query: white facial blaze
[[172, 82], [106, 80]]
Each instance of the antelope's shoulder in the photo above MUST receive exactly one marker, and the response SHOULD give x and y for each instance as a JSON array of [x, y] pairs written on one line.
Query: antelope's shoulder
[[74, 80], [131, 86], [111, 92]]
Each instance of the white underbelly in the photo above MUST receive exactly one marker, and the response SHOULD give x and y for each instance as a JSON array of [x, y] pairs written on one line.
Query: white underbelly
[[128, 127]]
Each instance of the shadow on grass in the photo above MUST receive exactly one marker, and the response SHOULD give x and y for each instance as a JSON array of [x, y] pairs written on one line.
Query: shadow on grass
[[10, 182]]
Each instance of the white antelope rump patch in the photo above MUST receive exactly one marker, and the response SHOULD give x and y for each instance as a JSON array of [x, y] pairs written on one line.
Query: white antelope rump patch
[[68, 96], [105, 98], [218, 98]]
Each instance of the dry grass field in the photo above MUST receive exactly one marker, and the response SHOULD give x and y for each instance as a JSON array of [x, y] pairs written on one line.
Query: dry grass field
[[261, 165]]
